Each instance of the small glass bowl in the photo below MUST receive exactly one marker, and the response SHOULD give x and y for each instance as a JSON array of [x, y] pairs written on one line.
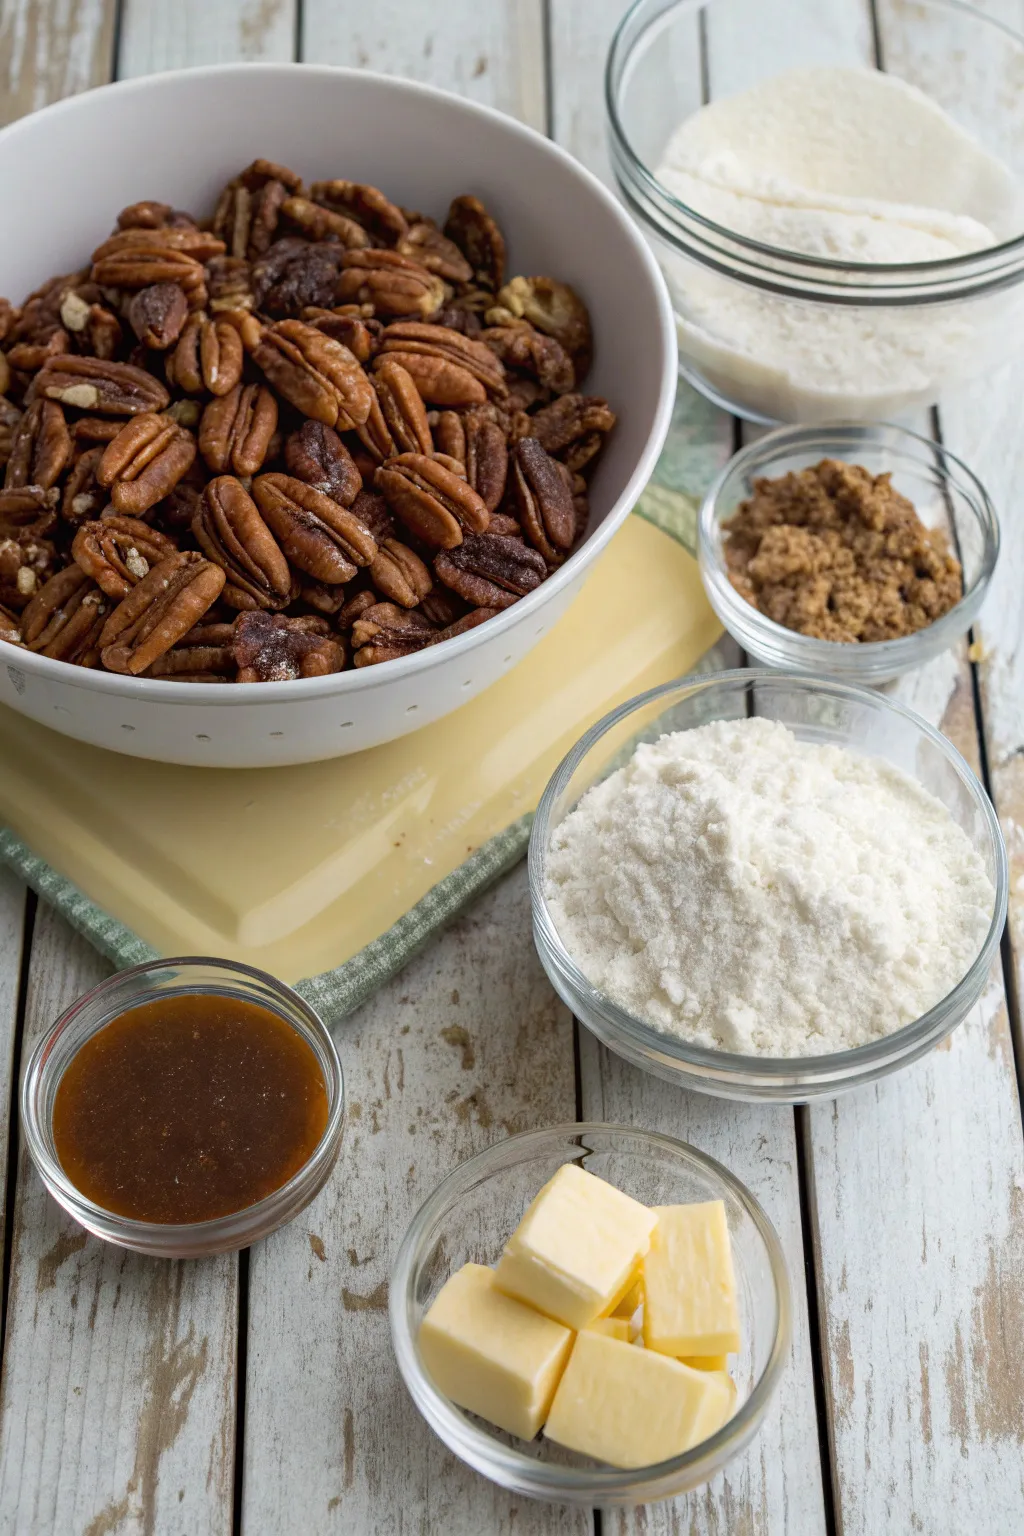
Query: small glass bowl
[[946, 494], [816, 710], [130, 989], [474, 1211]]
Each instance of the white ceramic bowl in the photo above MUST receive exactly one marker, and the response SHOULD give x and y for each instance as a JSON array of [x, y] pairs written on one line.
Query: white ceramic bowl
[[178, 137]]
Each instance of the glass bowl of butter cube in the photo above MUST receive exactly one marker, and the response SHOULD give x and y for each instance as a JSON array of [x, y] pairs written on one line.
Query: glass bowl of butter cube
[[592, 1314]]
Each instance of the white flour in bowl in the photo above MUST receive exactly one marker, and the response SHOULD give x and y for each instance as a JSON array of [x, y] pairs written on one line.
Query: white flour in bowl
[[852, 166], [746, 891]]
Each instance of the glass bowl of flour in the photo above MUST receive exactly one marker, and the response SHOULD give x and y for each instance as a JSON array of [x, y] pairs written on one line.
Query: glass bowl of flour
[[766, 885], [839, 241]]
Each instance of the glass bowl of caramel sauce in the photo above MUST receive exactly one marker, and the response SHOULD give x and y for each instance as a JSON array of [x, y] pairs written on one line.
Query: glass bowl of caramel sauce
[[185, 1107]]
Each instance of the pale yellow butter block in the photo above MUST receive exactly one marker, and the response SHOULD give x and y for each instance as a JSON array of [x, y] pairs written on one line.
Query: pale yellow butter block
[[575, 1251], [612, 1327], [631, 1407], [491, 1354], [632, 1299], [689, 1286], [706, 1362]]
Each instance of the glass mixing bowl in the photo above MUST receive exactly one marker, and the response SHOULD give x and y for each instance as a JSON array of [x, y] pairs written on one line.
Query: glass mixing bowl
[[815, 710], [942, 488], [775, 335], [468, 1219]]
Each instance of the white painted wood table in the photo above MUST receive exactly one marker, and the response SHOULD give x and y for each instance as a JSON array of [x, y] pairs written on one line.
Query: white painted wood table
[[258, 1393]]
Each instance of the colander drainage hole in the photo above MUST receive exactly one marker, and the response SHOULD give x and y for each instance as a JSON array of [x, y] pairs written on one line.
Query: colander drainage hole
[[127, 727], [411, 709], [506, 661], [468, 683], [201, 737], [345, 724], [277, 733]]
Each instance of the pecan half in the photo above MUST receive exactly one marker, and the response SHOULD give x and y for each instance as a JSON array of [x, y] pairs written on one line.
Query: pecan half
[[393, 284], [485, 457], [402, 407], [433, 502], [140, 266], [320, 223], [40, 447], [425, 243], [177, 510], [543, 500], [27, 510], [158, 611], [185, 238], [557, 310], [317, 375], [272, 649], [399, 574], [229, 283], [518, 345], [185, 663], [318, 536], [209, 356], [385, 631], [365, 204], [317, 455], [65, 618], [446, 367], [95, 429], [152, 215], [360, 333], [25, 564], [247, 213], [230, 531], [144, 462], [116, 389], [236, 429], [157, 314], [480, 240], [573, 428], [116, 552], [490, 571]]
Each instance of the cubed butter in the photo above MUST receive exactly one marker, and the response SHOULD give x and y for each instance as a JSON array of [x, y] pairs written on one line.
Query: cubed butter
[[689, 1286], [575, 1251], [632, 1299], [613, 1327], [706, 1362], [631, 1407], [491, 1354]]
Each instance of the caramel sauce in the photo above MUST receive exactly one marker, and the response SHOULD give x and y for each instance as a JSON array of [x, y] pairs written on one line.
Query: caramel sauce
[[188, 1107]]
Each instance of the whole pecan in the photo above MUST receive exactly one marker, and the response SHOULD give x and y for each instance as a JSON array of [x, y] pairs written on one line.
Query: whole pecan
[[449, 434], [116, 389], [196, 663], [144, 462], [320, 377], [385, 631], [185, 238], [116, 552], [479, 239], [157, 314], [236, 429], [40, 447], [393, 284], [317, 455], [425, 243], [209, 356], [365, 204], [271, 649], [446, 367], [320, 223], [399, 574], [486, 456], [543, 500], [402, 407], [65, 618], [544, 358], [230, 531], [95, 429], [158, 611], [490, 571], [152, 215], [318, 536], [295, 274], [557, 310], [573, 428], [247, 213], [433, 502], [140, 266]]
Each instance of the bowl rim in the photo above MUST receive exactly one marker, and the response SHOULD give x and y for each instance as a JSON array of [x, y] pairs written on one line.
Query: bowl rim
[[988, 263], [192, 1237], [357, 680], [547, 1479], [837, 1069], [868, 658]]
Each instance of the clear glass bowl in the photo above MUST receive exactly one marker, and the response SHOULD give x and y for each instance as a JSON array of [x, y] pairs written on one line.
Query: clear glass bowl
[[881, 341], [815, 710], [473, 1212], [945, 493], [130, 989]]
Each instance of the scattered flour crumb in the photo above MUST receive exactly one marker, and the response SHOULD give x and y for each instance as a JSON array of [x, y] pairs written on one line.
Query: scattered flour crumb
[[746, 891]]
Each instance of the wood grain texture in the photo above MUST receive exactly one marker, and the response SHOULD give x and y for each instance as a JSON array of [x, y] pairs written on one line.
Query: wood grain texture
[[50, 49], [117, 1411], [171, 34], [490, 52], [467, 1046], [12, 926]]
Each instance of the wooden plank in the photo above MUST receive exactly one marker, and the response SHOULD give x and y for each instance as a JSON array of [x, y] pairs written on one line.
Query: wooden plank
[[50, 49], [492, 53], [117, 1402], [12, 926], [173, 34], [467, 1046]]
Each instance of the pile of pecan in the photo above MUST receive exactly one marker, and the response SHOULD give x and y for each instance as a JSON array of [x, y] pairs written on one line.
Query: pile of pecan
[[317, 430]]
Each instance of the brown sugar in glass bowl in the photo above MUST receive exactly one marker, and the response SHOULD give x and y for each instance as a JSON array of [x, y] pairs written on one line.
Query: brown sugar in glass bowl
[[185, 1107]]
